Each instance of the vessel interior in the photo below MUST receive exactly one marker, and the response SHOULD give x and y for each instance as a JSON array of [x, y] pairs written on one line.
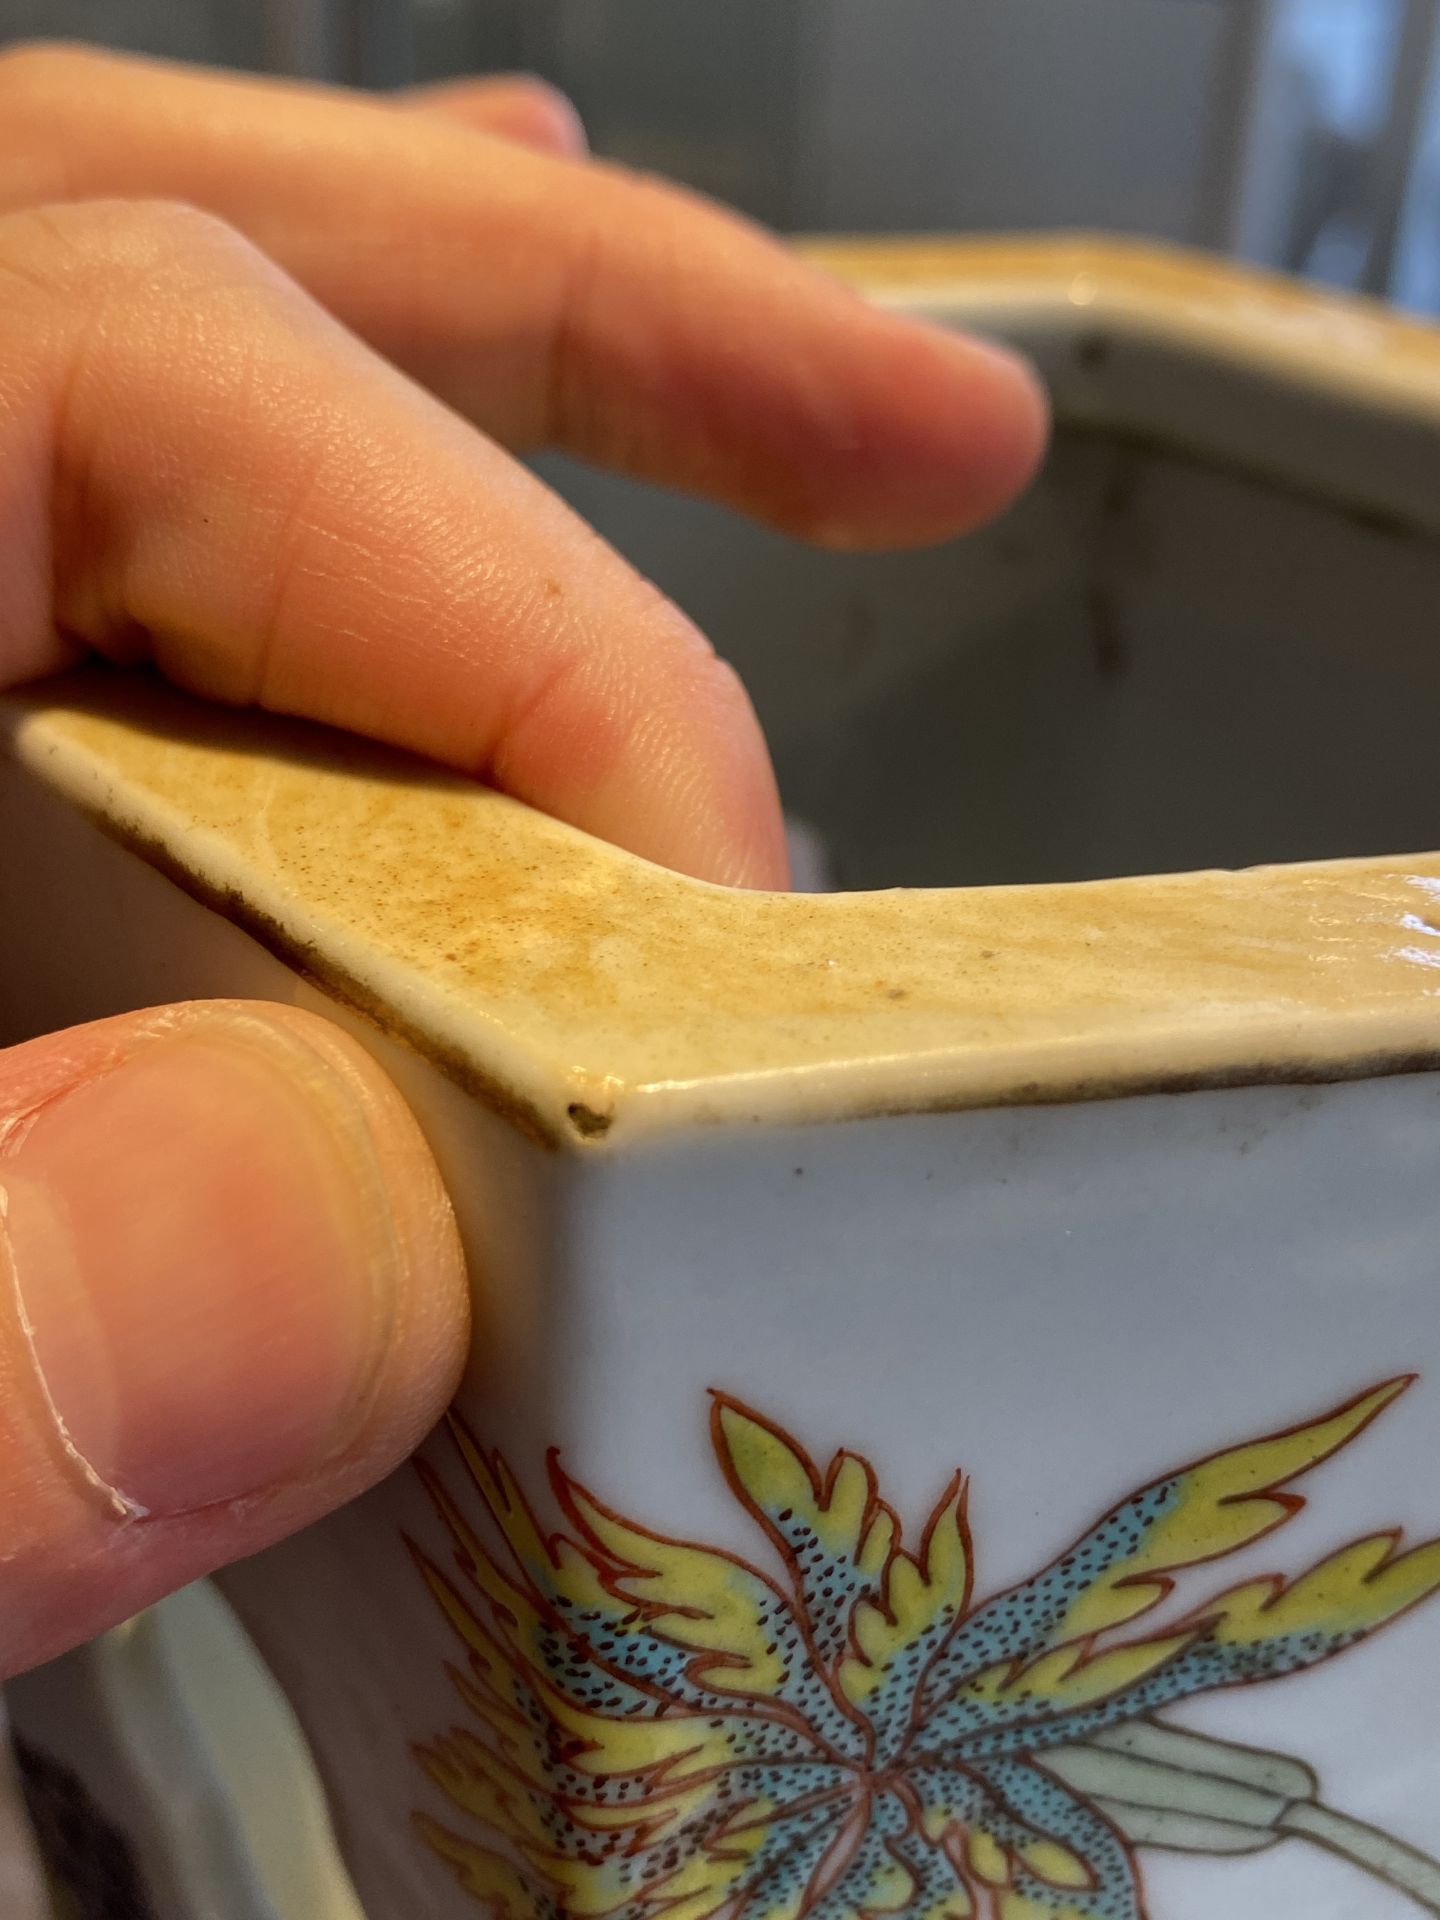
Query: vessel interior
[[1157, 661]]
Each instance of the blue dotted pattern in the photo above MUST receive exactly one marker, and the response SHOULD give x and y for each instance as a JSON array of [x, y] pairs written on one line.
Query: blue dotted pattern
[[794, 1847], [1199, 1669], [600, 1649], [827, 1587], [1039, 1806], [1023, 1620], [873, 1858], [977, 1755], [893, 1704], [940, 1893]]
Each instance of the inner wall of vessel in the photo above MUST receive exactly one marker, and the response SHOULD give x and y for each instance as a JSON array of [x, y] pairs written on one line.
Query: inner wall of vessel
[[1156, 662]]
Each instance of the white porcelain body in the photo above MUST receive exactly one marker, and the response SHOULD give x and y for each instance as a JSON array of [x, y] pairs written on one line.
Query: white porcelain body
[[1066, 1301]]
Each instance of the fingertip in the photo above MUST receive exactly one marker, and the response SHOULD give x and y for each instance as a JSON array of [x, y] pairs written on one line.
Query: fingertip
[[765, 867], [238, 1300], [755, 852], [520, 107], [956, 429], [1012, 425], [691, 786], [540, 115], [746, 846], [237, 1260]]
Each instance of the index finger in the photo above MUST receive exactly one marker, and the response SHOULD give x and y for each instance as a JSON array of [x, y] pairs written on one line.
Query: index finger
[[556, 303], [200, 467]]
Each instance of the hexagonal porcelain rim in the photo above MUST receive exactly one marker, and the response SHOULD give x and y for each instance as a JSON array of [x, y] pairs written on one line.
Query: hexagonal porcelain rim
[[594, 998]]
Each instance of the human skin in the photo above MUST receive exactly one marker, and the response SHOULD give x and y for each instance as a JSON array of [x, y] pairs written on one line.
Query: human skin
[[267, 354]]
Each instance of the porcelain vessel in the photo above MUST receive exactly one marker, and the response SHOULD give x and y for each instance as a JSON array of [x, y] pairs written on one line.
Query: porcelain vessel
[[952, 1420]]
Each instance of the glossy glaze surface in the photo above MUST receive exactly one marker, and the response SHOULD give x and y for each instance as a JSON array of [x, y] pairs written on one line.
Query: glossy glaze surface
[[598, 996]]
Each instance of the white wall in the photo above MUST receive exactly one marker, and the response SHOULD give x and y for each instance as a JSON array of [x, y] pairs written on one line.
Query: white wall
[[1016, 113], [913, 114]]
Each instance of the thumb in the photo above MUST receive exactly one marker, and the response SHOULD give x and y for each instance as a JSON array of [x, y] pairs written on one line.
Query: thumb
[[231, 1297]]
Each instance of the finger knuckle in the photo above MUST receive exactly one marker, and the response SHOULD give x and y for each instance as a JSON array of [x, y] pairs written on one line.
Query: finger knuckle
[[79, 259], [158, 232], [114, 239]]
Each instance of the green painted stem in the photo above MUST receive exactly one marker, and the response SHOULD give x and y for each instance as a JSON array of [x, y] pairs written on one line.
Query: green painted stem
[[1387, 1859]]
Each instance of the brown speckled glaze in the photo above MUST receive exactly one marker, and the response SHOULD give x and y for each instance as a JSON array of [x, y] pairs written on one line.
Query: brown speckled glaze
[[1265, 317], [593, 996]]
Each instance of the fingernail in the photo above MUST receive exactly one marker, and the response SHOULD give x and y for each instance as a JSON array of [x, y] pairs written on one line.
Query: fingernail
[[1009, 361], [564, 126], [206, 1253], [1028, 406]]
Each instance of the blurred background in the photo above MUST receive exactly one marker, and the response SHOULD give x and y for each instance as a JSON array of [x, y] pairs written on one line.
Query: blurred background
[[1303, 134]]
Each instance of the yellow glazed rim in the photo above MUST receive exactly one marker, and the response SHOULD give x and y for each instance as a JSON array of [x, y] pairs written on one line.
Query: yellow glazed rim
[[1306, 334], [595, 999]]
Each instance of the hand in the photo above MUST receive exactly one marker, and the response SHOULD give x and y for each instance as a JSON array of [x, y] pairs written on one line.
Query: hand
[[262, 348]]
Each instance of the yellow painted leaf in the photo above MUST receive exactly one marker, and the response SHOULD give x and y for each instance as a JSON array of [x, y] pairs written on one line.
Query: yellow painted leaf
[[487, 1875], [1056, 1865], [1015, 1904], [1355, 1590], [1065, 1679], [780, 1485], [951, 1903], [492, 1662], [511, 1511], [922, 1596], [987, 1859], [697, 1598], [480, 1568], [481, 1786], [1218, 1506]]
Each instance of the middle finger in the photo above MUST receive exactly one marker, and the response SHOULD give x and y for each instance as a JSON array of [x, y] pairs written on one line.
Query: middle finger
[[553, 302]]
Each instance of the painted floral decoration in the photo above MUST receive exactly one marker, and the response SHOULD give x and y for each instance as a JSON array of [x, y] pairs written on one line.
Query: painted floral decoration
[[659, 1728]]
